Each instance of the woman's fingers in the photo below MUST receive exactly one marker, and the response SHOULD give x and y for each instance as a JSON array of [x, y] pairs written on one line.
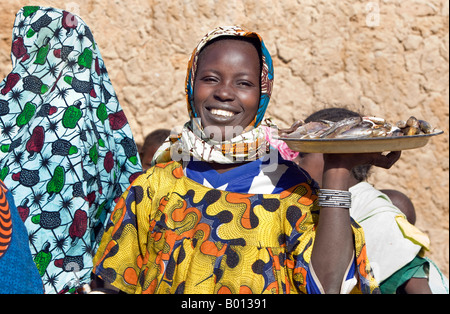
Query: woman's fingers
[[387, 161], [352, 160]]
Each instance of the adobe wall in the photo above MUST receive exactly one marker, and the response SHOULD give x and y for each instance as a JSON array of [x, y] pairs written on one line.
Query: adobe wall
[[384, 58]]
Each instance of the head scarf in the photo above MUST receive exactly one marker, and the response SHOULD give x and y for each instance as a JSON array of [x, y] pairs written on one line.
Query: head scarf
[[192, 142], [66, 149]]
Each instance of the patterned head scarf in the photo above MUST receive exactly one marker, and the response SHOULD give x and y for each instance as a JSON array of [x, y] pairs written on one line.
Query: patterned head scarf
[[192, 142], [66, 149]]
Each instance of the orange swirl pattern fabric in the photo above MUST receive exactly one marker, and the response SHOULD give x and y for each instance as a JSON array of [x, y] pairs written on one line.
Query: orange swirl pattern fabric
[[18, 272], [5, 222], [169, 234]]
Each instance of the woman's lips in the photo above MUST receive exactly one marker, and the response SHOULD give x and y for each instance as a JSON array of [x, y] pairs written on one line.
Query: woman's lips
[[222, 113]]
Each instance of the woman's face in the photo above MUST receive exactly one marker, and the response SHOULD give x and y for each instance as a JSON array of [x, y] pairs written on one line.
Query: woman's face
[[227, 88]]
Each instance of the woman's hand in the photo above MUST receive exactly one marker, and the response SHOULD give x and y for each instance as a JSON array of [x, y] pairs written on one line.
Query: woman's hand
[[349, 161]]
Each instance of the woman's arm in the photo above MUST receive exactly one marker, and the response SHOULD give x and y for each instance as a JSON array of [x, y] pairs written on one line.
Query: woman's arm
[[333, 247]]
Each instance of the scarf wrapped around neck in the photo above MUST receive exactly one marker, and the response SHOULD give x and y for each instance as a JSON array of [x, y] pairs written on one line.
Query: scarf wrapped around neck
[[192, 141]]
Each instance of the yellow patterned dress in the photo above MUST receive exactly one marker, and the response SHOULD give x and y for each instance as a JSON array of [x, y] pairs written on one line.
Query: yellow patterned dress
[[170, 234]]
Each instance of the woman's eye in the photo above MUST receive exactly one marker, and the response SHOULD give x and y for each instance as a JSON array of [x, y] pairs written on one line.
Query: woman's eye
[[209, 79], [245, 83]]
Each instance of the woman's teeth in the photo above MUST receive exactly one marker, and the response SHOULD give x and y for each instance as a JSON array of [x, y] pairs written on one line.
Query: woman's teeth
[[223, 113]]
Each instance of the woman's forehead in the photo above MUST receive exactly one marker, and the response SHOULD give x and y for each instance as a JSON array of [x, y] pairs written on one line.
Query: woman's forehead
[[229, 49]]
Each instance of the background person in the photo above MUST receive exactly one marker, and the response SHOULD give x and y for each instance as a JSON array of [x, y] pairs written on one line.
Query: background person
[[66, 150], [394, 246], [18, 273], [151, 144]]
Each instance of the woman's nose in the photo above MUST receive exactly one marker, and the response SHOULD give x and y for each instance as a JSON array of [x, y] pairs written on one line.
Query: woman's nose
[[224, 92]]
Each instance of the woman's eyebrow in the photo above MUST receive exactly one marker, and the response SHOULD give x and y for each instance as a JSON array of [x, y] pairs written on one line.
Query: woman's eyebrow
[[218, 72], [209, 70], [244, 74]]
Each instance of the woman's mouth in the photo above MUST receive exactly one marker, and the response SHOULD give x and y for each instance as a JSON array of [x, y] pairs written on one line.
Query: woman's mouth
[[222, 113]]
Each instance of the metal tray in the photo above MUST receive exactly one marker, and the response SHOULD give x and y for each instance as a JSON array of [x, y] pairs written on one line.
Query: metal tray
[[359, 145]]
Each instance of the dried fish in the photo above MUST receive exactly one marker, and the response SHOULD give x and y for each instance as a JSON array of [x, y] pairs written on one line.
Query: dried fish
[[356, 127], [413, 122], [411, 130], [401, 124], [395, 131], [307, 128], [357, 132], [293, 127], [375, 120], [341, 126], [425, 127], [381, 131]]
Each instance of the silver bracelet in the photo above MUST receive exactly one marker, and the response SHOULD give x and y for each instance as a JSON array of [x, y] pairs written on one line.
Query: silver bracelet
[[334, 198]]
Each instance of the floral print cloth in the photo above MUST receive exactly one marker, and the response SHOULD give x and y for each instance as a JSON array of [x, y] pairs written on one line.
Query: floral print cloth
[[66, 149]]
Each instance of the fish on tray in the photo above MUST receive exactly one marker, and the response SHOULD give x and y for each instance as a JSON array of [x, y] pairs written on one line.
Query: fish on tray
[[356, 127]]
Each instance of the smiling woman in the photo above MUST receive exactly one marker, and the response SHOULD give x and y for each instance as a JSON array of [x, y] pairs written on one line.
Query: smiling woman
[[245, 140], [231, 215], [227, 87]]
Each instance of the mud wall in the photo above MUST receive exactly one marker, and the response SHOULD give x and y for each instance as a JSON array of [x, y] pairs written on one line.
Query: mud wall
[[385, 58]]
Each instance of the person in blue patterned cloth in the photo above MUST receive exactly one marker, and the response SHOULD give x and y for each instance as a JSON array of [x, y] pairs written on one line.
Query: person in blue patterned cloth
[[18, 273], [66, 149]]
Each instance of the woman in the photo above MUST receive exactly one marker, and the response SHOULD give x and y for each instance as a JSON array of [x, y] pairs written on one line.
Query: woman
[[18, 273], [219, 212], [67, 152]]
